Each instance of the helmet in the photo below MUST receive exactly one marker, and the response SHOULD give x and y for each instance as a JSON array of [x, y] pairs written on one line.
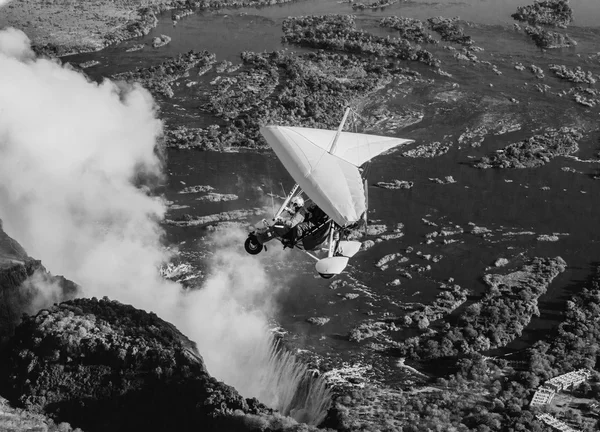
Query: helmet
[[297, 201]]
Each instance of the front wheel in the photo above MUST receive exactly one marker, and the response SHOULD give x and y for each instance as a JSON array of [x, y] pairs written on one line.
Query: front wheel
[[252, 245]]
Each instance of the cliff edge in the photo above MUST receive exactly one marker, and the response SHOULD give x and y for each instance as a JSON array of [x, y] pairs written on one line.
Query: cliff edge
[[102, 365]]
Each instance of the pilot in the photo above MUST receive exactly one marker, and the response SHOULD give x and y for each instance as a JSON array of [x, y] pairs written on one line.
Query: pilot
[[303, 219], [299, 213]]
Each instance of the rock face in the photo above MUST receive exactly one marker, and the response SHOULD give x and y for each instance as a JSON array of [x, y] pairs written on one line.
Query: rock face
[[102, 365], [21, 278], [10, 250]]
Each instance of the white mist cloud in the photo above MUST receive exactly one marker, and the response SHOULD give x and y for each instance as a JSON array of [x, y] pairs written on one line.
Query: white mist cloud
[[70, 150], [4, 2], [14, 43], [42, 290], [230, 312]]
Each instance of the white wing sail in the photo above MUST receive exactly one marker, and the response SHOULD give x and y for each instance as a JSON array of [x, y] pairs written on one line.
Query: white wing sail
[[356, 148], [332, 181]]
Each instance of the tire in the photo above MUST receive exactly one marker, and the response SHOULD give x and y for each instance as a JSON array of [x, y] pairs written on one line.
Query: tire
[[252, 246]]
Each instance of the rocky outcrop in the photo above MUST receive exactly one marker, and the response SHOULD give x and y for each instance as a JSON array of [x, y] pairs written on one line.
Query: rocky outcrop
[[9, 248], [339, 33], [13, 275], [196, 189], [447, 301], [219, 4], [158, 79], [429, 150], [396, 184], [373, 5], [556, 13], [183, 138], [535, 151], [408, 28], [13, 301], [177, 15], [547, 39], [234, 215], [103, 365], [23, 282], [309, 90], [450, 30], [135, 47], [217, 197], [160, 41], [576, 75]]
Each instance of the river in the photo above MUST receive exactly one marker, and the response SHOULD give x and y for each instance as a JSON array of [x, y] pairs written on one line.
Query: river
[[516, 205]]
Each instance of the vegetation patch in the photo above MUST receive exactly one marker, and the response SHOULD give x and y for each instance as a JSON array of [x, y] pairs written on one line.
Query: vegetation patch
[[102, 365], [158, 79], [557, 13], [450, 298], [220, 4], [535, 151], [408, 28], [396, 184], [575, 75], [339, 33], [450, 30], [494, 321], [310, 90], [549, 39], [373, 5], [492, 393]]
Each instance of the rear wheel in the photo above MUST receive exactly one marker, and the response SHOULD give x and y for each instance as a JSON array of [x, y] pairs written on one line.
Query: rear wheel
[[252, 245]]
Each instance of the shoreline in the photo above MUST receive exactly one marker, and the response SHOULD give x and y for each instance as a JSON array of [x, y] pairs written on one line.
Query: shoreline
[[58, 30], [69, 27]]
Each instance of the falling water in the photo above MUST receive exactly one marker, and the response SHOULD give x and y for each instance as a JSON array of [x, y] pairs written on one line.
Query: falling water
[[274, 375], [289, 386]]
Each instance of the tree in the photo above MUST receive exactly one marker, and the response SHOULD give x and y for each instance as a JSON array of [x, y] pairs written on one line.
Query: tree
[[423, 323]]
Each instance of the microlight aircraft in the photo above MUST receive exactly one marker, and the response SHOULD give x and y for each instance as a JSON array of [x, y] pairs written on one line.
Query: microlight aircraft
[[326, 167]]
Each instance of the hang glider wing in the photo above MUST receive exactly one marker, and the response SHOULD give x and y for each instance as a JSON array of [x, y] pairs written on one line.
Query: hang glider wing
[[332, 181], [356, 148]]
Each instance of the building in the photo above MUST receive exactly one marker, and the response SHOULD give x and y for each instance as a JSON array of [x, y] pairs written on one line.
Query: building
[[555, 423], [546, 392], [568, 380], [542, 396]]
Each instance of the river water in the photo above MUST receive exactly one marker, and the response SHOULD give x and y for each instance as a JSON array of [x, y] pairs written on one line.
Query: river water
[[516, 205]]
